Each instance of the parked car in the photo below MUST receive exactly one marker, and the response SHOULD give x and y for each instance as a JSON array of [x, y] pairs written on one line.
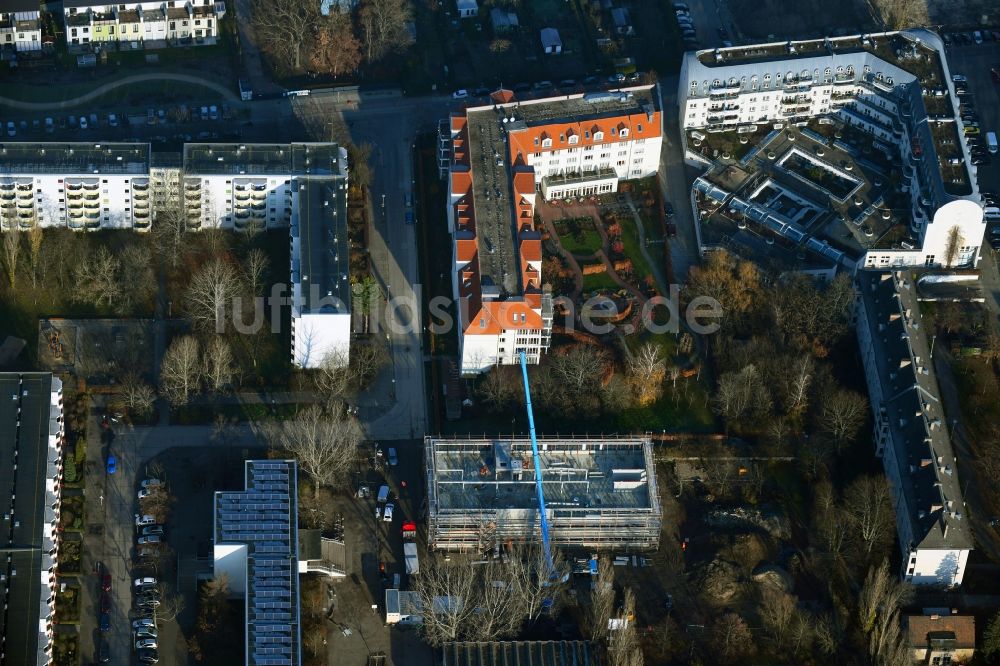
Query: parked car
[[461, 93], [213, 112], [105, 581], [105, 622], [972, 130], [142, 521], [668, 209], [145, 581], [146, 643], [50, 126], [83, 122], [393, 460], [143, 622], [105, 603], [149, 483], [387, 517], [152, 529], [112, 464], [11, 128], [145, 632], [151, 539], [147, 656], [147, 602], [104, 652], [958, 78], [112, 120], [378, 512], [671, 230]]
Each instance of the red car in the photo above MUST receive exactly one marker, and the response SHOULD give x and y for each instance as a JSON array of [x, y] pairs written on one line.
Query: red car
[[106, 582]]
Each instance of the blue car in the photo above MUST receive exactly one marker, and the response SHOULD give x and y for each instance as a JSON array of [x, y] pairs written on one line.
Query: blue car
[[409, 217], [112, 464], [105, 621]]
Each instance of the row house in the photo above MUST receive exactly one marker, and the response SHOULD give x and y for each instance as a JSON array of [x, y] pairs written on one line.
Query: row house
[[20, 27], [141, 25]]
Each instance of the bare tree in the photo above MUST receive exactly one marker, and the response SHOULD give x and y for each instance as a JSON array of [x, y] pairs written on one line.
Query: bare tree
[[171, 604], [878, 613], [158, 502], [366, 362], [742, 395], [899, 14], [498, 613], [733, 637], [623, 641], [180, 370], [219, 364], [35, 238], [445, 590], [210, 294], [777, 609], [647, 368], [498, 387], [99, 279], [359, 156], [333, 377], [254, 269], [282, 29], [383, 26], [536, 586], [137, 394], [580, 368], [170, 227], [325, 443], [602, 600], [11, 253], [799, 383], [868, 504], [842, 416], [137, 274]]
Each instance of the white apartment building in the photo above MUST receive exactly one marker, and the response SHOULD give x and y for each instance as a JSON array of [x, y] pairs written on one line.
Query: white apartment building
[[20, 27], [300, 186], [82, 186], [500, 157], [144, 24], [874, 82], [911, 432]]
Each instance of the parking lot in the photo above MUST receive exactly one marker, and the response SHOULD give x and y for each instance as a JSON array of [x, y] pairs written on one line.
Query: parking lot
[[974, 62]]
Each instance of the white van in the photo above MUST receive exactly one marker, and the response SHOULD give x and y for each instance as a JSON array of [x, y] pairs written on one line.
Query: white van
[[383, 494]]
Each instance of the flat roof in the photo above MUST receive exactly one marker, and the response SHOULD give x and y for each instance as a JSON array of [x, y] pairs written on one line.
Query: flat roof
[[265, 159], [915, 415], [324, 262], [588, 106], [12, 6], [491, 195], [520, 653], [265, 518], [25, 423], [498, 474], [37, 158]]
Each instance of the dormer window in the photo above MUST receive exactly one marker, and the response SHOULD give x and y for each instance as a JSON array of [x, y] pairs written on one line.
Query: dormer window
[[546, 142], [574, 139], [624, 132], [598, 136]]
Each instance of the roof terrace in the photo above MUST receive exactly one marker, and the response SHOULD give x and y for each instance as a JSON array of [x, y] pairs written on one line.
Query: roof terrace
[[73, 158]]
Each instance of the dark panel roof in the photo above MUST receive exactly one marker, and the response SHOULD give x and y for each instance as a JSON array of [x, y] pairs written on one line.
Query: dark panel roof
[[24, 429], [11, 6]]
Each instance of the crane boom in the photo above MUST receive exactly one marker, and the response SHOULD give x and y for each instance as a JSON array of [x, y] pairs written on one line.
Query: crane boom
[[538, 468]]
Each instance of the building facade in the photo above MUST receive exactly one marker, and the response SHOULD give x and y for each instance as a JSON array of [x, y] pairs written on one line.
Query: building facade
[[500, 157], [31, 433], [92, 26], [255, 538], [20, 27], [911, 433], [240, 187], [883, 84], [940, 639]]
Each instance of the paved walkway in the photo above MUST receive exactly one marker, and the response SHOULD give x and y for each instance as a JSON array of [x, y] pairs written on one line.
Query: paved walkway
[[111, 85], [661, 282], [574, 265]]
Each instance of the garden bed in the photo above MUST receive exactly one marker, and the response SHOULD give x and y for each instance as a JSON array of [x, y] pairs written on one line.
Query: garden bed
[[578, 235]]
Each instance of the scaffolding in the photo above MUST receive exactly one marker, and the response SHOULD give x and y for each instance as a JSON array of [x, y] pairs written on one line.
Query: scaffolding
[[600, 493]]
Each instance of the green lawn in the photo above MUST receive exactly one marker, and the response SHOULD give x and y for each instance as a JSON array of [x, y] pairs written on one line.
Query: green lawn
[[578, 235], [141, 92], [596, 281], [630, 239]]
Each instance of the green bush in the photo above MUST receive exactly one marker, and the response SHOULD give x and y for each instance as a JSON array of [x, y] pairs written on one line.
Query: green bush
[[81, 452], [69, 470]]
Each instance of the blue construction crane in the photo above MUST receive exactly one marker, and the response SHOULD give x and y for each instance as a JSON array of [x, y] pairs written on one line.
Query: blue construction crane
[[553, 574]]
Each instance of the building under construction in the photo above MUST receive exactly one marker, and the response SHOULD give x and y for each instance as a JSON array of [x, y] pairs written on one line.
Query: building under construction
[[599, 493]]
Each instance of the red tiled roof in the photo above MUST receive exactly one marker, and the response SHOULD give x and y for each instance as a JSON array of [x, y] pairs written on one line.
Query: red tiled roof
[[921, 628]]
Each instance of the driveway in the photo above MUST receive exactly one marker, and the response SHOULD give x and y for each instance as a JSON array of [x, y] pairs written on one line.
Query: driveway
[[675, 182]]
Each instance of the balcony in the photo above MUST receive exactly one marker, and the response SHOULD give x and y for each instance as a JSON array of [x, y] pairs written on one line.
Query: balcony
[[242, 216], [74, 187], [140, 187], [259, 188], [91, 187], [192, 186], [140, 196], [260, 206], [8, 196], [24, 188], [242, 196], [25, 205]]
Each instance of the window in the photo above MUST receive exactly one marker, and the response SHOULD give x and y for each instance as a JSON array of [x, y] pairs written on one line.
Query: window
[[574, 139], [546, 143], [638, 128], [111, 29], [197, 22], [482, 322], [598, 136], [72, 32], [621, 162]]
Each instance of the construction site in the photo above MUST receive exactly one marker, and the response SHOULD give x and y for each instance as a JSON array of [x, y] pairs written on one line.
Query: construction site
[[599, 493]]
